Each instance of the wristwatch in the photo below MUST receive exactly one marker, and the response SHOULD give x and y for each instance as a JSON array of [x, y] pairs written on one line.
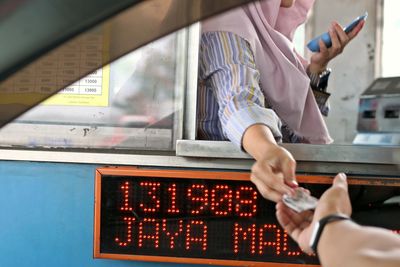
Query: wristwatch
[[320, 225], [319, 81]]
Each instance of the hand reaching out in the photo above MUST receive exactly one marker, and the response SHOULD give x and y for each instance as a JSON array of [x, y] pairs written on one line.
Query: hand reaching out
[[299, 225], [274, 173], [274, 170]]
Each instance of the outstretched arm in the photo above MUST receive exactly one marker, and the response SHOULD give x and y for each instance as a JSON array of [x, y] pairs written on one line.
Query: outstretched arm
[[343, 243], [227, 63], [274, 170]]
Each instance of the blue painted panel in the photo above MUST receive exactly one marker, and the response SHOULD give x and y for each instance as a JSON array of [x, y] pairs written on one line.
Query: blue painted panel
[[46, 216]]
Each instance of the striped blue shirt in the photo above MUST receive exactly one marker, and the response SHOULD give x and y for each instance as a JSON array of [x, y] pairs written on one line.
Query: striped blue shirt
[[229, 95]]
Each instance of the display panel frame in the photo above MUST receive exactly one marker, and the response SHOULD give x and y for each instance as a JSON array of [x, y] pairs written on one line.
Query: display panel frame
[[204, 175]]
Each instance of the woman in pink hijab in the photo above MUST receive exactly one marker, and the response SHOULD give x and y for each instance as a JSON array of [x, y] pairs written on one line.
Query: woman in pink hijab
[[255, 90]]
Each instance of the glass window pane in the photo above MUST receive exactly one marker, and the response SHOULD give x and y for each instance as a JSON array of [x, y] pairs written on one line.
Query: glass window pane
[[299, 39], [391, 41], [130, 104]]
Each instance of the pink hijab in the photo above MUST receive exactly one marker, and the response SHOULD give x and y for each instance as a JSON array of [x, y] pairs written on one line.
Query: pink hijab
[[269, 30]]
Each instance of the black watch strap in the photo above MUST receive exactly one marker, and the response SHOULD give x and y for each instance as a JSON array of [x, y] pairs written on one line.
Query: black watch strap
[[319, 227], [319, 81]]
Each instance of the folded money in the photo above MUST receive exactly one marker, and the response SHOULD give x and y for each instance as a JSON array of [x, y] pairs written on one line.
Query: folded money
[[300, 201]]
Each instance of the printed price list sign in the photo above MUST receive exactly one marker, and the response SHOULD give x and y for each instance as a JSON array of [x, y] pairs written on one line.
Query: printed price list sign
[[92, 90], [61, 68]]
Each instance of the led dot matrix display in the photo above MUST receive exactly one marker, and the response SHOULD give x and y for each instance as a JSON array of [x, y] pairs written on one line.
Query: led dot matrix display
[[189, 216]]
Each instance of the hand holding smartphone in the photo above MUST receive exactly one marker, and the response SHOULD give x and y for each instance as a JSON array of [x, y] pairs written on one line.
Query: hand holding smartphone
[[313, 45]]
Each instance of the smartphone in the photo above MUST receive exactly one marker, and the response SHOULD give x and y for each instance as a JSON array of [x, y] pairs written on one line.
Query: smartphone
[[313, 45]]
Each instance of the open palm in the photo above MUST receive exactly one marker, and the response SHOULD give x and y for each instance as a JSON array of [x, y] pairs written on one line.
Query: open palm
[[299, 225]]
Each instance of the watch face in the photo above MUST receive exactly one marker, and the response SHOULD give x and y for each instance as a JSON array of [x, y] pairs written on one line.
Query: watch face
[[325, 73]]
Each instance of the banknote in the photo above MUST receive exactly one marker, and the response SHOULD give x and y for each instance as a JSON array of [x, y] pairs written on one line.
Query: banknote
[[300, 201]]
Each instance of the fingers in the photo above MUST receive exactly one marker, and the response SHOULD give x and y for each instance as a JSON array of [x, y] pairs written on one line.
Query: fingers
[[323, 50], [274, 174], [294, 217], [283, 218], [340, 39], [287, 224], [341, 181], [288, 169], [285, 164], [286, 220], [356, 30], [294, 223], [270, 183], [335, 199], [343, 37], [337, 45], [265, 191]]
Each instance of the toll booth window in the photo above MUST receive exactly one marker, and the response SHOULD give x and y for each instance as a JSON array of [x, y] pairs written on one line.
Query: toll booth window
[[391, 43], [132, 103]]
